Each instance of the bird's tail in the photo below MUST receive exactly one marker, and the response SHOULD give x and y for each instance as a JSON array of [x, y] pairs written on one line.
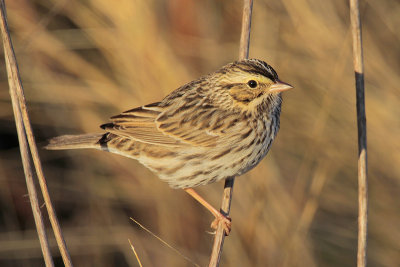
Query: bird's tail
[[76, 141]]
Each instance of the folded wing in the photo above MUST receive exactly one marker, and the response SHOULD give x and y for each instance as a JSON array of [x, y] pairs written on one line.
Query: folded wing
[[182, 124]]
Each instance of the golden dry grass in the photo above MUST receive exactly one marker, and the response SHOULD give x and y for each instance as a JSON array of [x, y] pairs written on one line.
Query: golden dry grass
[[83, 61]]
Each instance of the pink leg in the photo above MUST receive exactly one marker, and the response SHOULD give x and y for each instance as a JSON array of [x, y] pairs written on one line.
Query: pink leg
[[219, 217]]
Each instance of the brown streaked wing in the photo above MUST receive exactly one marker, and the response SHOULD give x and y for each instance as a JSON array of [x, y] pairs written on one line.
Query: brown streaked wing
[[170, 125], [197, 124], [139, 124]]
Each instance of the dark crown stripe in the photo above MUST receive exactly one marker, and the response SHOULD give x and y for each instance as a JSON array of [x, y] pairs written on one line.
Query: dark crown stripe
[[258, 71]]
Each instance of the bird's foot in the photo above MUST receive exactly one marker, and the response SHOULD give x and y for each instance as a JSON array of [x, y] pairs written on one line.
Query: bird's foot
[[225, 221]]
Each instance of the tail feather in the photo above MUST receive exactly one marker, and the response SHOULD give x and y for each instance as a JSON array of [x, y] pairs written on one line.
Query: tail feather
[[76, 141]]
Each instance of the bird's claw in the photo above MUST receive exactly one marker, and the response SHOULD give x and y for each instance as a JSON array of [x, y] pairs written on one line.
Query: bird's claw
[[225, 221]]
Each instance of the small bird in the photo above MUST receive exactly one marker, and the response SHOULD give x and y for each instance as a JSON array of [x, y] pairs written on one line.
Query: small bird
[[213, 128]]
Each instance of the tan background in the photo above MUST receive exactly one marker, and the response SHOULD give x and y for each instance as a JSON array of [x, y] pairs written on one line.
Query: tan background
[[84, 61]]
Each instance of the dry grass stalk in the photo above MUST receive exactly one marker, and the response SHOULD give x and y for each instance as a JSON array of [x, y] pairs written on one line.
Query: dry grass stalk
[[220, 232], [246, 27], [25, 133], [136, 255], [228, 187], [163, 242], [362, 134], [41, 230]]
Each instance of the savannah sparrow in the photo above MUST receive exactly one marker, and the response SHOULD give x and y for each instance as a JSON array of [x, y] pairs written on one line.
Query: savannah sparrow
[[216, 127]]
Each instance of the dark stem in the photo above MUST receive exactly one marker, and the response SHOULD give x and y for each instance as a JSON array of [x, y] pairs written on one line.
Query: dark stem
[[362, 134]]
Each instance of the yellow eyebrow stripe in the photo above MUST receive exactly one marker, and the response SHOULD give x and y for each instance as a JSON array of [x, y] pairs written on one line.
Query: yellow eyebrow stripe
[[245, 77]]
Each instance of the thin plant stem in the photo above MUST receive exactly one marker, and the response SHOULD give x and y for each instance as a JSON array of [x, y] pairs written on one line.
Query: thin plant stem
[[24, 150], [246, 27], [17, 89], [136, 255], [228, 187], [164, 243], [362, 134], [220, 232]]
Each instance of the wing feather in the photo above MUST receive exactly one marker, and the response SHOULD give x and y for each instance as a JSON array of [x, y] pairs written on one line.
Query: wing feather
[[139, 124], [187, 120]]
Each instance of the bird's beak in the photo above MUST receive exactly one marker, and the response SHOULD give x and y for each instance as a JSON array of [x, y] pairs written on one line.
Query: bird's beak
[[279, 86]]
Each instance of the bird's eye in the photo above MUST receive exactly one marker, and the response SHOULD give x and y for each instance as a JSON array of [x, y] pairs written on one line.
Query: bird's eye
[[252, 83]]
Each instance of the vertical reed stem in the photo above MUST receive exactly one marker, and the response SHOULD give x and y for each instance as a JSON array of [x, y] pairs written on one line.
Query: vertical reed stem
[[24, 150], [362, 134], [19, 103], [228, 187], [246, 27]]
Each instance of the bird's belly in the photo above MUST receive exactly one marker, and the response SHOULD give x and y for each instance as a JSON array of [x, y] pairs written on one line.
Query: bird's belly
[[200, 166]]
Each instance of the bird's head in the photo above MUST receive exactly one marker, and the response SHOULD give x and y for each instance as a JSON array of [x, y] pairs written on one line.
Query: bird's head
[[250, 82]]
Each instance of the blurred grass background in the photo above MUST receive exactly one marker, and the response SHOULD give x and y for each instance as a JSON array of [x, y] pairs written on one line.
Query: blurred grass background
[[83, 61]]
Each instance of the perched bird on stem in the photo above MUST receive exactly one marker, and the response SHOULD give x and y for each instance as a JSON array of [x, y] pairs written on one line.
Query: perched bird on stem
[[213, 128]]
